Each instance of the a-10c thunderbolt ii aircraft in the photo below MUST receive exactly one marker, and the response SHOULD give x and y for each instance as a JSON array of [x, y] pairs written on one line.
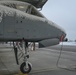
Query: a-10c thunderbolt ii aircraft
[[22, 22]]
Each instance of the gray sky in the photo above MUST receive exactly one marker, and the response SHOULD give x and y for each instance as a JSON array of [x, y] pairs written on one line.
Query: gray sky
[[63, 13]]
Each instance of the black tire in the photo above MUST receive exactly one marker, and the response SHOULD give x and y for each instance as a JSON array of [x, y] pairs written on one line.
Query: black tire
[[22, 68]]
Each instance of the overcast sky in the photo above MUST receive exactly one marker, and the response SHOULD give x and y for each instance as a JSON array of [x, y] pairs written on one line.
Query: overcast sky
[[63, 13]]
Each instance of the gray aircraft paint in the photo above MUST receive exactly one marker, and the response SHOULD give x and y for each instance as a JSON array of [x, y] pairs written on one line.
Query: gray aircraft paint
[[18, 25]]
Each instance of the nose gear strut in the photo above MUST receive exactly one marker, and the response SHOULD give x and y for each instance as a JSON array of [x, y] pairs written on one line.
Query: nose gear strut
[[25, 66]]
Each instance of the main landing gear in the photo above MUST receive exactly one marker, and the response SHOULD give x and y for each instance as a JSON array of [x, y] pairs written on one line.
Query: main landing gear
[[26, 66]]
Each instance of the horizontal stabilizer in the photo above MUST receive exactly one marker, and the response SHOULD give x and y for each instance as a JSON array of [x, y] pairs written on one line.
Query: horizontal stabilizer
[[48, 42]]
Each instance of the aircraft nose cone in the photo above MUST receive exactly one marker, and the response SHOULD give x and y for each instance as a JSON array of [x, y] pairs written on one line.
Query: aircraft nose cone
[[59, 31]]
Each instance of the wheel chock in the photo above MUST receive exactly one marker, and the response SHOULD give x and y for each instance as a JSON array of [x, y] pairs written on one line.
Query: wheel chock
[[20, 73]]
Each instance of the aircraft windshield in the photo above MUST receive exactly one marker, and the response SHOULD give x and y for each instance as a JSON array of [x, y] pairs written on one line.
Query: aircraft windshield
[[36, 12], [22, 8], [30, 10]]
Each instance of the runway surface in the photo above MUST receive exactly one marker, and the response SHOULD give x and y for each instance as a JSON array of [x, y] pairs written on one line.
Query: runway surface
[[44, 61]]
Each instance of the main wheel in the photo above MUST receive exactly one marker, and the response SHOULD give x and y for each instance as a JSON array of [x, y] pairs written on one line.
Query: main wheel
[[24, 69]]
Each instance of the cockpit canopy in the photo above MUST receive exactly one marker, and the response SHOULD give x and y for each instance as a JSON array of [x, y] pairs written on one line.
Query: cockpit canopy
[[36, 3], [22, 6]]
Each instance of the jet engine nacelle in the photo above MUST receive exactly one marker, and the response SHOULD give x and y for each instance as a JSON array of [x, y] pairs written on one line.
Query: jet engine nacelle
[[48, 42]]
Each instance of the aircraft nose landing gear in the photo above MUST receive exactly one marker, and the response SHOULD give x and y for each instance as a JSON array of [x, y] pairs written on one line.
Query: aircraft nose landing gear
[[25, 66]]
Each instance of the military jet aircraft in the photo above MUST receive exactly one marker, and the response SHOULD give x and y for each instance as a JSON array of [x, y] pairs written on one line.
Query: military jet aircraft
[[22, 22]]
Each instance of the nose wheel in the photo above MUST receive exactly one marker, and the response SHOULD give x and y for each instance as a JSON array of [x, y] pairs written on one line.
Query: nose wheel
[[25, 66], [25, 69]]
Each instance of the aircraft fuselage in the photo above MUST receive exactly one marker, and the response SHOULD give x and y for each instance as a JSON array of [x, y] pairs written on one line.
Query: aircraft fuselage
[[15, 25]]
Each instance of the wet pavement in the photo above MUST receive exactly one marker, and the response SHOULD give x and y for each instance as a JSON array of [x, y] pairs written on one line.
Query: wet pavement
[[44, 61]]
